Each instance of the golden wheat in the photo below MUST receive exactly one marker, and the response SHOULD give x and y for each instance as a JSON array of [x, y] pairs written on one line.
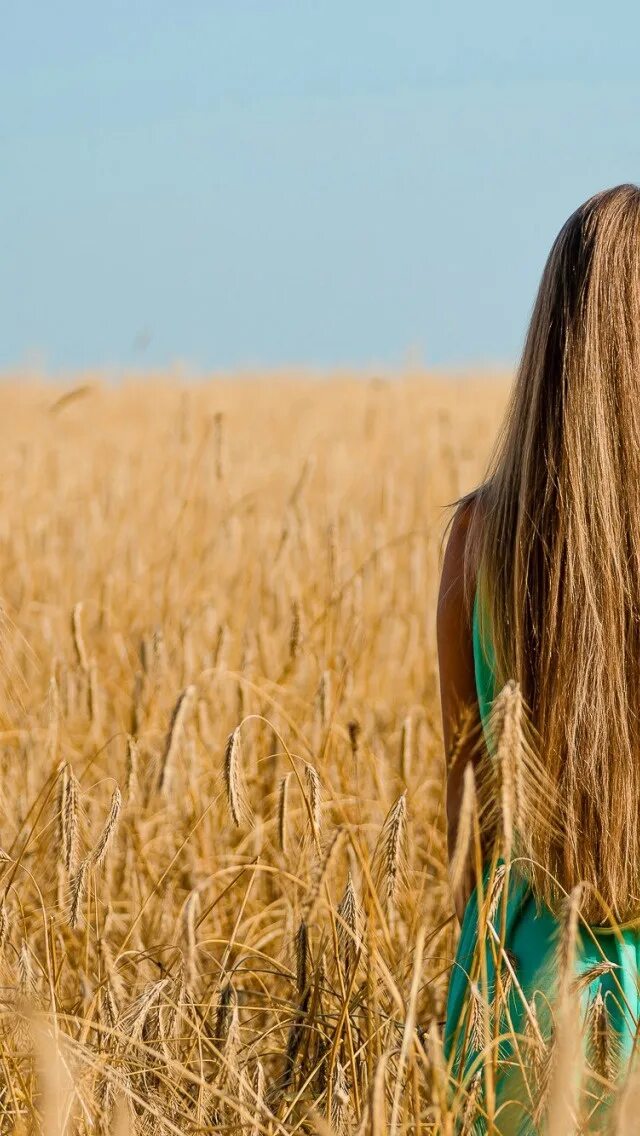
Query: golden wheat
[[219, 608]]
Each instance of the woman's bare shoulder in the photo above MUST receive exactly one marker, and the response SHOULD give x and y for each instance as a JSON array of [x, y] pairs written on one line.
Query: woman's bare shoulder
[[455, 563]]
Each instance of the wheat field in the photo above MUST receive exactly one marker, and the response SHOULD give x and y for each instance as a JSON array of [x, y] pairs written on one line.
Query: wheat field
[[224, 901]]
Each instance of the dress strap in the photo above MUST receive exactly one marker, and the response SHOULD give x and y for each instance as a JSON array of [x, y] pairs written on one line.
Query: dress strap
[[484, 668]]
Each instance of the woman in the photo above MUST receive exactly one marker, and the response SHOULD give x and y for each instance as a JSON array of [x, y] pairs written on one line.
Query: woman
[[541, 586]]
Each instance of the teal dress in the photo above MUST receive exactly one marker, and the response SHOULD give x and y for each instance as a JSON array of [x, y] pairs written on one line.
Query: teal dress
[[531, 939]]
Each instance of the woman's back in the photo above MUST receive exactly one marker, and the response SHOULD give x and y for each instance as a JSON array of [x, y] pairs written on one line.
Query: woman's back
[[554, 536], [531, 941], [539, 641]]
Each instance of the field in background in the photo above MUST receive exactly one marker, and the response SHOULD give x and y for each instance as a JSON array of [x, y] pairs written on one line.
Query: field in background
[[225, 892]]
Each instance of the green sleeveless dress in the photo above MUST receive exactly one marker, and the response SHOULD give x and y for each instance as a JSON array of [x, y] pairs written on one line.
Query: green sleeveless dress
[[531, 941]]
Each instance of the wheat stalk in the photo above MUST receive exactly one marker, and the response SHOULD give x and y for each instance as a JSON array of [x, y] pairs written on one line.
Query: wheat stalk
[[78, 888], [406, 749], [391, 852], [470, 1114], [282, 812], [295, 636], [314, 794], [191, 908], [99, 853], [459, 860], [508, 712], [302, 958], [258, 1085], [78, 639], [173, 738], [68, 818], [4, 923], [234, 783], [348, 937], [131, 775]]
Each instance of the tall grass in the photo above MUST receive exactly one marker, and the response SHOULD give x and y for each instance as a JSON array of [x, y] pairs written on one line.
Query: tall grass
[[225, 895]]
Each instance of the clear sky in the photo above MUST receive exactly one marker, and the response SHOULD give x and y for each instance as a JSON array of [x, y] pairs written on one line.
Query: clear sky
[[233, 183]]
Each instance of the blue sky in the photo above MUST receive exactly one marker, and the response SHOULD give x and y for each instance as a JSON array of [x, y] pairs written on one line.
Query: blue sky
[[277, 182]]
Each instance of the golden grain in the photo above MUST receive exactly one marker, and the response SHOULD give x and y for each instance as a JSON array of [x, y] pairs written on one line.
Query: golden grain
[[292, 553]]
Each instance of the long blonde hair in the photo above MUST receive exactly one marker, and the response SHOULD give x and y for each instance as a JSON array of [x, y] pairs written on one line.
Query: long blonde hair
[[555, 537]]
